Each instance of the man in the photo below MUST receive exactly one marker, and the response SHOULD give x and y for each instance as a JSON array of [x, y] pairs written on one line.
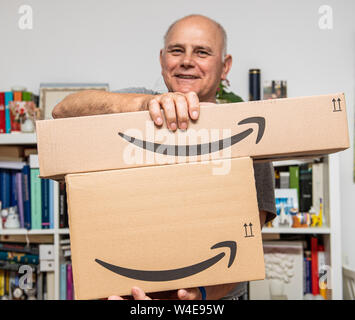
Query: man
[[193, 63]]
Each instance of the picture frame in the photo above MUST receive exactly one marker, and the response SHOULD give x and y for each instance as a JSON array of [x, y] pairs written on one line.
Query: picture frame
[[52, 93], [287, 197]]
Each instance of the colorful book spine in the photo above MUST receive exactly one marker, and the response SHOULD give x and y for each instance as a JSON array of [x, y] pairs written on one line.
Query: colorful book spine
[[26, 96], [70, 293], [15, 125], [5, 183], [305, 178], [45, 203], [63, 281], [19, 257], [63, 215], [26, 192], [2, 283], [308, 272], [8, 99], [13, 195], [315, 275], [20, 199], [36, 199], [51, 204], [294, 179], [2, 113]]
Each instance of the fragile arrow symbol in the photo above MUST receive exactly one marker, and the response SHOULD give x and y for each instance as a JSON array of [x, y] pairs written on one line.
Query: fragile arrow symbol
[[339, 104], [251, 230], [246, 232], [334, 104]]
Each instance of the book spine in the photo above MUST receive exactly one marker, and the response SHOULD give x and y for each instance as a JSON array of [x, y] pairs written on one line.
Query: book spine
[[15, 124], [2, 283], [2, 113], [51, 204], [315, 276], [62, 205], [45, 203], [19, 257], [305, 178], [308, 272], [63, 281], [8, 99], [294, 180], [5, 183], [26, 192], [20, 199], [13, 195], [36, 200], [69, 282]]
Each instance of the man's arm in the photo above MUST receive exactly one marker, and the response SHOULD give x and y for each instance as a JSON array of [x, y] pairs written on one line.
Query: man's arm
[[93, 102], [178, 107]]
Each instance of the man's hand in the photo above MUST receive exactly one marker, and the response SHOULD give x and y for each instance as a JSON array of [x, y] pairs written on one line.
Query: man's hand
[[181, 294], [178, 108]]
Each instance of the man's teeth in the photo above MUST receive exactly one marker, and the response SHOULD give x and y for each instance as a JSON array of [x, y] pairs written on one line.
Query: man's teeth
[[186, 77]]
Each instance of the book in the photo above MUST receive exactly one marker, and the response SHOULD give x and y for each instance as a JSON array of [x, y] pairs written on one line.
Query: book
[[284, 180], [19, 257], [50, 285], [63, 213], [19, 193], [19, 248], [70, 293], [26, 193], [45, 203], [294, 179], [5, 187], [2, 113], [51, 203], [2, 283], [63, 281], [13, 195], [308, 272], [15, 123], [36, 199], [8, 99], [318, 190], [305, 182], [322, 272], [314, 265]]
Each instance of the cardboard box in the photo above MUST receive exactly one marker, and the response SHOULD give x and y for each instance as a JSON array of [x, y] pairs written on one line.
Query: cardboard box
[[163, 228], [264, 130]]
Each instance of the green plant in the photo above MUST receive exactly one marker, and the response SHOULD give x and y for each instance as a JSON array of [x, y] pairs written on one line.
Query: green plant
[[224, 96]]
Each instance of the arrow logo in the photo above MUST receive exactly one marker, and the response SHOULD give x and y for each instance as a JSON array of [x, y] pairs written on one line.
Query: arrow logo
[[246, 231], [200, 149], [334, 105], [174, 274]]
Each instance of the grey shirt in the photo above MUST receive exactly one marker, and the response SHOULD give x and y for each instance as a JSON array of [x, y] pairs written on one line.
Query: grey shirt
[[264, 182]]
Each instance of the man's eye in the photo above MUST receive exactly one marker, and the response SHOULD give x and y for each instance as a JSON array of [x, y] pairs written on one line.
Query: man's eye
[[202, 53], [176, 51]]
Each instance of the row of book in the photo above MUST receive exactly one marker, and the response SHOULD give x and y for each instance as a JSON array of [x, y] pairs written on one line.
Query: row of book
[[66, 273], [315, 269], [307, 179], [27, 283], [32, 197], [15, 107]]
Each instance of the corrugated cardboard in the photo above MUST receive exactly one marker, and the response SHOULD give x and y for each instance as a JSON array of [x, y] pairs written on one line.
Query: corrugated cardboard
[[268, 129], [164, 219]]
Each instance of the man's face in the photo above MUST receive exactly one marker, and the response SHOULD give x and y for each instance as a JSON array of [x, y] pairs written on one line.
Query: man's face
[[192, 58]]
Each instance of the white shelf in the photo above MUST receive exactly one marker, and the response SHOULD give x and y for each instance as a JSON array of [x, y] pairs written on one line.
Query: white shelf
[[25, 231], [320, 230], [18, 138], [63, 231], [293, 162]]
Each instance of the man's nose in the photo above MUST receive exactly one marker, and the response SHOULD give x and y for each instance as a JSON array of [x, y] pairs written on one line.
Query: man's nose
[[188, 61]]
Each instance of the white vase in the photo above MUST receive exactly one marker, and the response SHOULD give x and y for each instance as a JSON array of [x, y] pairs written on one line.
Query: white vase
[[277, 288]]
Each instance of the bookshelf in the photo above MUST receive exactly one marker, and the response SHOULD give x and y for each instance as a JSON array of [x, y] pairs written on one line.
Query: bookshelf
[[331, 234]]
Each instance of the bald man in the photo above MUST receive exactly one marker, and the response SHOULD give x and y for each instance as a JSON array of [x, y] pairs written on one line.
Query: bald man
[[193, 62]]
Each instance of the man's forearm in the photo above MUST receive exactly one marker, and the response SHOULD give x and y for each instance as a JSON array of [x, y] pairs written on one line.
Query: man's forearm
[[93, 102], [219, 291]]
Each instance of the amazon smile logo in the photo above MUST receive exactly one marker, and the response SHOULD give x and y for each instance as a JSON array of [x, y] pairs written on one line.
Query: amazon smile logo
[[174, 274], [199, 149]]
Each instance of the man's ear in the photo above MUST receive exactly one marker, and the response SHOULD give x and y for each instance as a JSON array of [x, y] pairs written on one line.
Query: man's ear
[[227, 65], [161, 58]]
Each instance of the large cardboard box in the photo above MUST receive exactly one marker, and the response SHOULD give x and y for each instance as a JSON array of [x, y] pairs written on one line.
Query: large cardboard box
[[163, 228], [264, 130]]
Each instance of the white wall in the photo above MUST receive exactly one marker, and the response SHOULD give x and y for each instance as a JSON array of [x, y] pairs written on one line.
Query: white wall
[[118, 42]]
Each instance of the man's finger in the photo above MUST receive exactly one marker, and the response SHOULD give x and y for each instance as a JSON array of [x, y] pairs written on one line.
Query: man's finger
[[139, 294], [189, 294], [155, 112], [181, 111], [168, 104], [194, 105]]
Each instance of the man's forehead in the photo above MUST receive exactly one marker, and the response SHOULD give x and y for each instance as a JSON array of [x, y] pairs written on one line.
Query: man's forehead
[[194, 33]]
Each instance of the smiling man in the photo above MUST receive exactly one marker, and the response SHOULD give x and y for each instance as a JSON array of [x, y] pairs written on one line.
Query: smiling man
[[193, 63]]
